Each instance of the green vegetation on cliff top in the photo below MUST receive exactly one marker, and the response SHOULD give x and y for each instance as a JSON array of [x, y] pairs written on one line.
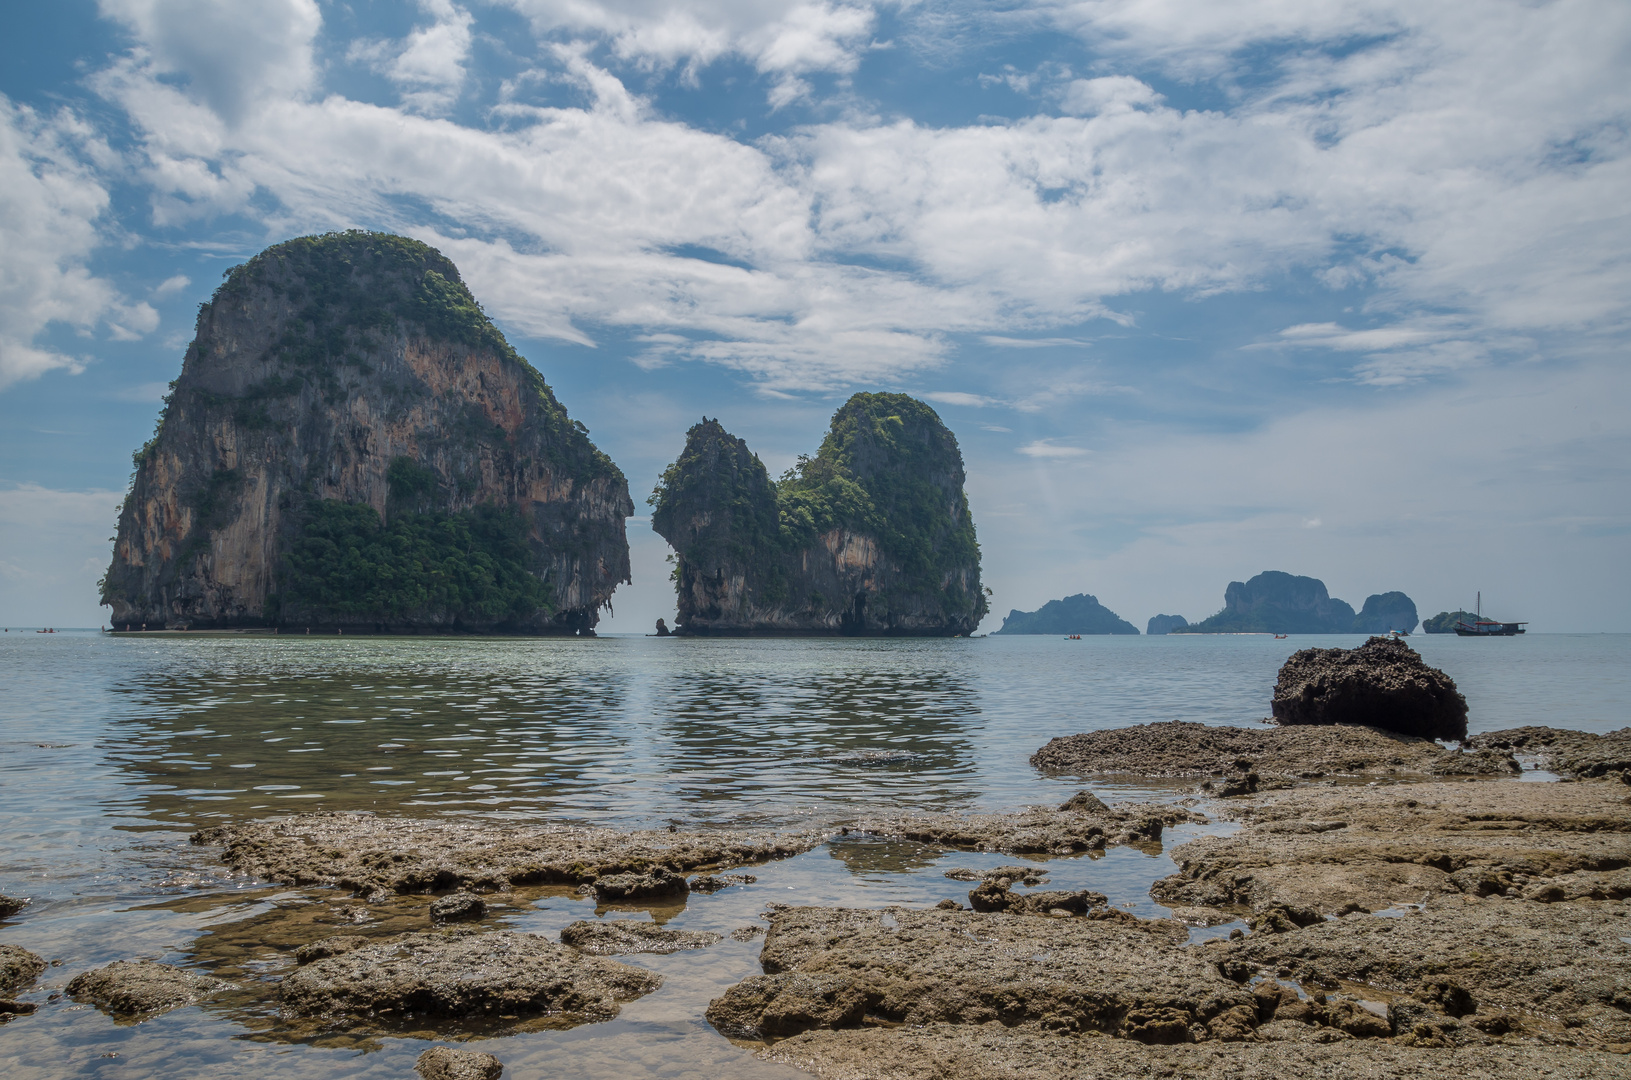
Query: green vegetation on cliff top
[[888, 469]]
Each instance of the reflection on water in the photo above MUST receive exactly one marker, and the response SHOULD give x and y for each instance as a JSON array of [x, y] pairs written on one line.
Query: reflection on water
[[111, 751]]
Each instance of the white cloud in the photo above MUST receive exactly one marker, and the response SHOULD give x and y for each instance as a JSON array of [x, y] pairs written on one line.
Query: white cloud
[[958, 398], [50, 202], [429, 65], [1047, 448], [235, 56], [171, 285]]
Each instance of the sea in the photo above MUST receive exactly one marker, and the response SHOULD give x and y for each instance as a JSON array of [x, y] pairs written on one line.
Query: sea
[[114, 750]]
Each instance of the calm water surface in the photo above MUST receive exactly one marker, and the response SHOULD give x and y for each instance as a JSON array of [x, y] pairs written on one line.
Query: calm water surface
[[113, 750]]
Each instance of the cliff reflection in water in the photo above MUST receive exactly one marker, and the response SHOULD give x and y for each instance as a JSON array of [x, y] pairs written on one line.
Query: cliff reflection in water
[[603, 732]]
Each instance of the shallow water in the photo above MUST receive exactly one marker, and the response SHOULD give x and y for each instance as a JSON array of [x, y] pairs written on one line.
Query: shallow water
[[113, 750]]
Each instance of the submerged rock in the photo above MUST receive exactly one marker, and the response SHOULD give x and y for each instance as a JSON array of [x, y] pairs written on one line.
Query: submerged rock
[[835, 968], [712, 883], [620, 936], [352, 444], [462, 974], [1383, 684], [143, 988], [18, 967], [11, 905], [414, 855], [459, 907], [446, 1063], [334, 946], [1183, 748], [870, 537]]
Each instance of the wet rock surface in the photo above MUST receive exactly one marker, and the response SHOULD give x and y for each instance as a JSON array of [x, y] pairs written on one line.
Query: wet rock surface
[[460, 907], [11, 905], [462, 974], [1343, 848], [656, 883], [833, 968], [1383, 684], [448, 1063], [334, 946], [143, 988], [18, 967], [371, 854], [1581, 754], [955, 1052], [1036, 831], [712, 883], [1303, 752], [619, 936]]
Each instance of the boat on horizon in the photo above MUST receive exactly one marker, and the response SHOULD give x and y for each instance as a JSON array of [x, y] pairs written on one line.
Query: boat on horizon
[[1482, 627]]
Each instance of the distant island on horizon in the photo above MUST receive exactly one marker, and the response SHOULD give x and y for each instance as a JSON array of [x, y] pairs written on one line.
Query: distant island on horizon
[[1079, 614]]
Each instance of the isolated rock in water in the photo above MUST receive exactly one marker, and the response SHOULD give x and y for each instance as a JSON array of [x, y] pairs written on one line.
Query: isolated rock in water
[[11, 905], [657, 882], [459, 907], [871, 537], [446, 1063], [1184, 748], [143, 987], [1383, 683], [620, 936], [1445, 621], [352, 443], [18, 967], [1275, 602], [1582, 754], [712, 883], [997, 895], [334, 946], [460, 974], [1079, 614], [1165, 624], [1385, 612], [836, 968]]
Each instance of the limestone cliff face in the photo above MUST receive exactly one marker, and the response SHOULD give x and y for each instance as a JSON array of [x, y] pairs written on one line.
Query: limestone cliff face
[[872, 537], [355, 370]]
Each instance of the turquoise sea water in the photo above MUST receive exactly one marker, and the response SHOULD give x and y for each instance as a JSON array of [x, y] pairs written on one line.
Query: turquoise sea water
[[112, 750]]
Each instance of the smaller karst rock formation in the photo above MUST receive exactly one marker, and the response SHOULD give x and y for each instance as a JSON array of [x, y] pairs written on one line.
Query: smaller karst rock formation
[[1275, 602], [1079, 614], [1383, 684], [1165, 624], [353, 445], [1444, 622], [871, 537]]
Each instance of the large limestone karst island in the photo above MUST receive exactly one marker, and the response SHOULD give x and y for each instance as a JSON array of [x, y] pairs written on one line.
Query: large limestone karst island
[[1275, 602], [871, 537], [352, 444]]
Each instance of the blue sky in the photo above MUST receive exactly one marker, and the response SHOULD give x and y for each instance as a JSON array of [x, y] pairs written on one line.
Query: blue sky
[[1203, 288]]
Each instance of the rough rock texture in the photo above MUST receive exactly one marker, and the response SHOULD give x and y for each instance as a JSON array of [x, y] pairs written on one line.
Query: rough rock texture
[[446, 1063], [1165, 624], [1181, 748], [412, 855], [462, 974], [1581, 754], [1382, 684], [142, 987], [712, 883], [1035, 831], [11, 905], [620, 936], [18, 967], [327, 947], [1342, 848], [871, 537], [835, 968], [459, 907], [656, 883], [1468, 969], [318, 369], [1079, 614], [955, 1052]]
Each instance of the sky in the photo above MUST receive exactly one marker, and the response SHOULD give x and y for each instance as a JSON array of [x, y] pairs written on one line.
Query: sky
[[1203, 287]]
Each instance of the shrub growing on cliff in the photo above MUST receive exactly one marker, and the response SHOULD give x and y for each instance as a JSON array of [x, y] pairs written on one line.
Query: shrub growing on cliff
[[345, 565]]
